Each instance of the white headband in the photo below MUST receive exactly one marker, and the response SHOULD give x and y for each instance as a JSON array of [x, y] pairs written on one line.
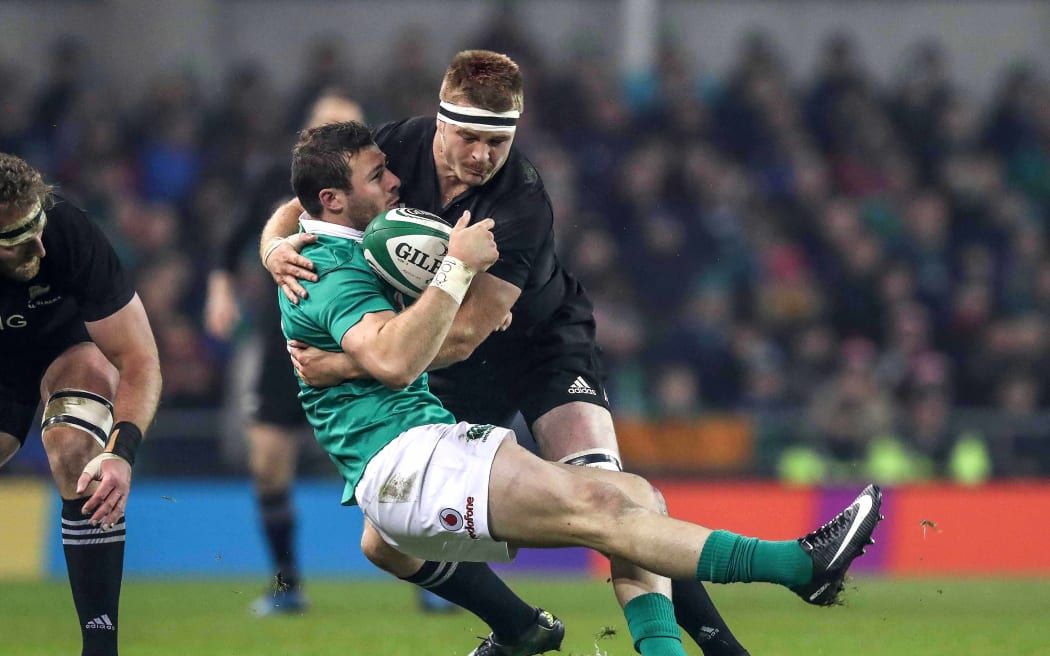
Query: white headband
[[24, 228], [478, 119]]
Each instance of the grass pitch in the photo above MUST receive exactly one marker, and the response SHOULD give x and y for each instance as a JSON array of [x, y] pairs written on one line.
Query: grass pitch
[[912, 618]]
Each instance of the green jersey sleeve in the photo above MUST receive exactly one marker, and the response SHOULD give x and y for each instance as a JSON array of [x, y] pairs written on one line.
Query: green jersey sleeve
[[346, 291]]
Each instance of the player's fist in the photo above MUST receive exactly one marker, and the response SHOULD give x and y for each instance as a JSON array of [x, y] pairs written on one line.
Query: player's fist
[[473, 245]]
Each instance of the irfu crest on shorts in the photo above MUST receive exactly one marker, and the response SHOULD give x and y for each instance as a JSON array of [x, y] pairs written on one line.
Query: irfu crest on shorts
[[479, 432]]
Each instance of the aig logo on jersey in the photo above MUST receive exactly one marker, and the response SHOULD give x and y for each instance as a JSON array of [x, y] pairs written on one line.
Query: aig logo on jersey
[[12, 321]]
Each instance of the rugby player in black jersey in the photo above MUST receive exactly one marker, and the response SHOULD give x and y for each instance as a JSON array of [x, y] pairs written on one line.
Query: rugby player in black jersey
[[546, 364], [74, 336]]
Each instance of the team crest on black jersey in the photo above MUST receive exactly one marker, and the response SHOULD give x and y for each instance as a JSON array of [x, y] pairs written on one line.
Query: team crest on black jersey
[[39, 296]]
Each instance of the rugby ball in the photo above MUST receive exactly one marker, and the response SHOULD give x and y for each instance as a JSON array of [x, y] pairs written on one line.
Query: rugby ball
[[405, 247]]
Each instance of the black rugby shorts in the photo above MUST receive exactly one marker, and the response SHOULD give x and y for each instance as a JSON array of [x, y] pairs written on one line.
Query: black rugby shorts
[[542, 377], [22, 371]]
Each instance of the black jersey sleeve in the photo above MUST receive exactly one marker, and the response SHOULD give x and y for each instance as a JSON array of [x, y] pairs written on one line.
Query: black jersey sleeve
[[93, 272], [524, 222]]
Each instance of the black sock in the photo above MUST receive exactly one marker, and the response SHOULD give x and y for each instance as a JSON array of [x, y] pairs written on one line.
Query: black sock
[[697, 615], [278, 519], [476, 587], [95, 561]]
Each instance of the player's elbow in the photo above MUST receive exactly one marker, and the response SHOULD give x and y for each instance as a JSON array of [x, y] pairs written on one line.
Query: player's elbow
[[396, 375], [396, 384], [460, 345]]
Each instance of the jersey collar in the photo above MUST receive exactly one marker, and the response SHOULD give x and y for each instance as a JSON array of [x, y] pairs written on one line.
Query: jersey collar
[[331, 229]]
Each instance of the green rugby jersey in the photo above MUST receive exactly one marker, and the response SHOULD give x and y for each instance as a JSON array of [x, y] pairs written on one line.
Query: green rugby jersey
[[356, 419]]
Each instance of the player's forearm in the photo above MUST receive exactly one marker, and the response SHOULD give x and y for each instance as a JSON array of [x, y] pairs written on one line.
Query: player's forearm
[[409, 343], [138, 392], [479, 316], [283, 222], [459, 344]]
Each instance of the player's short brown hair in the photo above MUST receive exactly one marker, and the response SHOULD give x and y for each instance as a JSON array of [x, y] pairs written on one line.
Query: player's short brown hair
[[485, 79], [321, 160], [21, 185]]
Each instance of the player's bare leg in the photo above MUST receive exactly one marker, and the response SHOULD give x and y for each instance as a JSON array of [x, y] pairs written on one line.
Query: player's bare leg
[[8, 447], [644, 596], [273, 457], [473, 586], [584, 433], [69, 448], [75, 389], [575, 428], [534, 503], [581, 505]]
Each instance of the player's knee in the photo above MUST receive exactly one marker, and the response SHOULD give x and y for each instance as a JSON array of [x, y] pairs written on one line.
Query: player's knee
[[76, 420], [75, 425], [599, 506], [661, 502], [642, 492], [639, 489], [68, 450], [376, 550]]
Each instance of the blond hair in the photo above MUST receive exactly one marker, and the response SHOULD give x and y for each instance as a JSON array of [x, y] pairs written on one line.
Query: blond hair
[[21, 186]]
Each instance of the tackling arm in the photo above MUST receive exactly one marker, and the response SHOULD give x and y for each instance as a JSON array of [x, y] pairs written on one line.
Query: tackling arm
[[282, 222], [484, 310], [279, 237], [396, 348]]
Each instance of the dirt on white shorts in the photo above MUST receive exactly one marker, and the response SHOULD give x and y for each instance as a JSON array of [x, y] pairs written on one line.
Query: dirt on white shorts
[[427, 492]]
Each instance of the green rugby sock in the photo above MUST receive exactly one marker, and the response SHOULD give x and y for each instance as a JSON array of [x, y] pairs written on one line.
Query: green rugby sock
[[731, 558], [650, 619]]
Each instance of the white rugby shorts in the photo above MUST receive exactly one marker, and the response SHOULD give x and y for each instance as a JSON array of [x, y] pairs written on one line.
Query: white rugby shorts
[[427, 492]]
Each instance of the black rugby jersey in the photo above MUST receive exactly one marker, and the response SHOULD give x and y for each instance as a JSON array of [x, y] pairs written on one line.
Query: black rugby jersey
[[516, 200], [80, 279]]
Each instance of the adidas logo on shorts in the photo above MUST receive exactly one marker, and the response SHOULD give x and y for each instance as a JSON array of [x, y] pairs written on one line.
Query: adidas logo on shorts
[[580, 386]]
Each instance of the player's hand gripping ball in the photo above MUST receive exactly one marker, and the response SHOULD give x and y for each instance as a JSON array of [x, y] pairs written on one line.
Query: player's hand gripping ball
[[405, 246]]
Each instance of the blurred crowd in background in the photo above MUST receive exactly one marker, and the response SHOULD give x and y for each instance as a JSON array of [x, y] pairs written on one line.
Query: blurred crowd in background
[[859, 266]]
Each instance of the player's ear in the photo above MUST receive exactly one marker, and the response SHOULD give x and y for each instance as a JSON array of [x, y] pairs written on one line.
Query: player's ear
[[333, 200]]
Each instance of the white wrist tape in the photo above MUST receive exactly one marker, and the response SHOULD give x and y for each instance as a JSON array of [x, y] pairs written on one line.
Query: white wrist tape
[[274, 243], [93, 467], [453, 277]]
